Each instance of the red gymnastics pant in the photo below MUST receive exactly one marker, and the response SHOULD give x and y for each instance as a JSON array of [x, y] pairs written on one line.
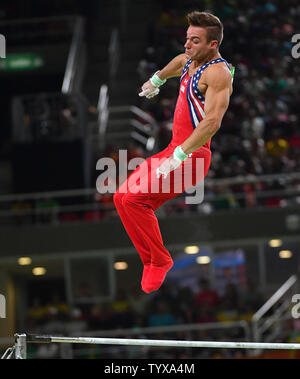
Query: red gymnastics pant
[[141, 194]]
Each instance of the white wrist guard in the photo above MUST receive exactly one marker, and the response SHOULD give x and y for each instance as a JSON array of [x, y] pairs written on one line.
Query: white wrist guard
[[179, 154], [156, 81]]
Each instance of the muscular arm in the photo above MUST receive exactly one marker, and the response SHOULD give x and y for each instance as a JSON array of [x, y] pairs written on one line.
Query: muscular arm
[[173, 68], [219, 88]]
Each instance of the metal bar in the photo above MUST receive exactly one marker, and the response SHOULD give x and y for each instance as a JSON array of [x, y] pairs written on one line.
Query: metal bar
[[89, 191], [8, 353], [103, 111], [70, 193], [253, 178], [139, 138], [21, 346], [162, 343], [139, 112], [71, 62], [273, 299], [142, 127], [276, 316]]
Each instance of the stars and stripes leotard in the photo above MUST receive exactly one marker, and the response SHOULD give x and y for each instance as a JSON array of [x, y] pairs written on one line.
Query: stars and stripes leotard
[[189, 109]]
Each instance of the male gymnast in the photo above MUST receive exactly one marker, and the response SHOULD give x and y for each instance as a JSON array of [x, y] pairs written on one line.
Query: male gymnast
[[204, 93]]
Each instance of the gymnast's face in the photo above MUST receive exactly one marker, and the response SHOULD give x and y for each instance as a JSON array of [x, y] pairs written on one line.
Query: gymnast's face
[[197, 47]]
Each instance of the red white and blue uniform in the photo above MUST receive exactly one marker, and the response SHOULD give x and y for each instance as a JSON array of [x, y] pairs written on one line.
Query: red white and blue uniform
[[190, 104], [135, 207]]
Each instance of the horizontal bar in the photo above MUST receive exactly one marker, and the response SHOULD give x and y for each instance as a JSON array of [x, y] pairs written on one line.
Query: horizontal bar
[[214, 182], [36, 338], [164, 343]]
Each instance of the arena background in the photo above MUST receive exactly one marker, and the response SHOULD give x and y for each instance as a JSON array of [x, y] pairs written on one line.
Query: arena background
[[69, 96]]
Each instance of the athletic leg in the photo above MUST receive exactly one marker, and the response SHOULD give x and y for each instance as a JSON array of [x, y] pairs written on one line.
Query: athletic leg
[[131, 226], [193, 171], [136, 208]]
